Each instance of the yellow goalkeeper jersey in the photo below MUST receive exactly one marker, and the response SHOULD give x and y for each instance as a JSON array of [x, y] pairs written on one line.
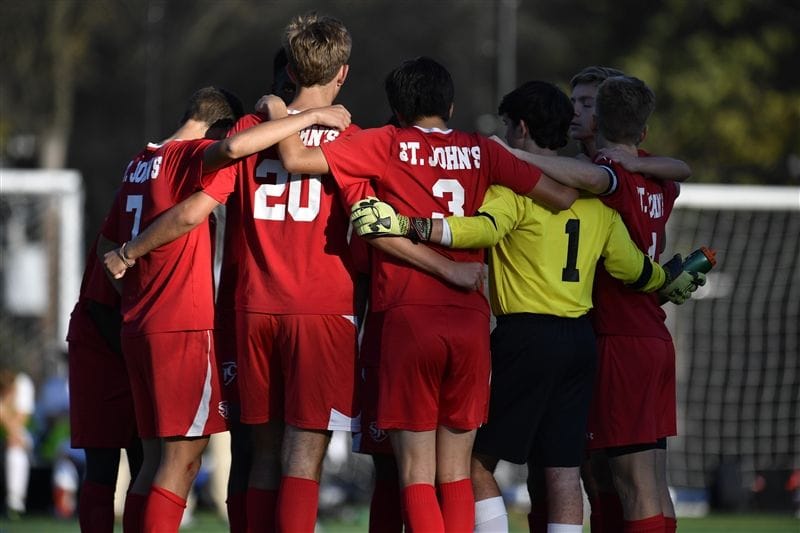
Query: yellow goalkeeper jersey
[[543, 261]]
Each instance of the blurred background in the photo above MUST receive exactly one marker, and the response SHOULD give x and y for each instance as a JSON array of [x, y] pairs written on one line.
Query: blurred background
[[85, 83]]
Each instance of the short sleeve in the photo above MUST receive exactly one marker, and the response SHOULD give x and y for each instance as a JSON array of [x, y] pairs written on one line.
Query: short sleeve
[[508, 170]]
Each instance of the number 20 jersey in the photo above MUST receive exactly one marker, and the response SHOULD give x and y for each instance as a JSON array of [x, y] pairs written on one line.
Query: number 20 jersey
[[293, 249]]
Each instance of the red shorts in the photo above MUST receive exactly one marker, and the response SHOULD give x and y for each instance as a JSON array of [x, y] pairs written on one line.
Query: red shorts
[[434, 368], [175, 384], [298, 368], [634, 394], [225, 347], [371, 439], [100, 402]]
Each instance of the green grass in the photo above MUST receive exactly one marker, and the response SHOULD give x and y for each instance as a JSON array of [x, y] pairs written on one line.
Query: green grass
[[356, 522]]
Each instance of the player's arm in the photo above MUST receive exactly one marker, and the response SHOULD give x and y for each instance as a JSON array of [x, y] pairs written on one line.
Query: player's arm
[[106, 246], [266, 134], [175, 222], [500, 213], [295, 156], [569, 171], [468, 276], [626, 262], [665, 168]]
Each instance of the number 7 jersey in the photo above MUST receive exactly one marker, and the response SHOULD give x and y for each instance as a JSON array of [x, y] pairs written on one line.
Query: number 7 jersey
[[292, 250]]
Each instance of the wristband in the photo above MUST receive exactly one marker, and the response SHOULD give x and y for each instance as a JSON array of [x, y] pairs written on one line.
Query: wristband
[[125, 260]]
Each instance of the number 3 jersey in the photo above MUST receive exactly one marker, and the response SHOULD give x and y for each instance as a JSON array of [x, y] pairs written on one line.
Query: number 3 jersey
[[645, 205], [170, 288], [288, 235], [425, 173]]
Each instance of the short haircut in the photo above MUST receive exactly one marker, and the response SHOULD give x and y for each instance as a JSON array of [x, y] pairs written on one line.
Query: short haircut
[[215, 106], [624, 104], [419, 88], [594, 75], [546, 110], [316, 46]]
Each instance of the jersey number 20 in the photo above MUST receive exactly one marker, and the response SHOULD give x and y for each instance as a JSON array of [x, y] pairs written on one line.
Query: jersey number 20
[[294, 183]]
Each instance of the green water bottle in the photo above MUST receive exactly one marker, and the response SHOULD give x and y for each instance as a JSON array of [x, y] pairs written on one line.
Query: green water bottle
[[701, 260]]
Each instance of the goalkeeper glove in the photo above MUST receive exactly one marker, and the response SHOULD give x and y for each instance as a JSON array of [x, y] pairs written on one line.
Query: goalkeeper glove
[[373, 218], [679, 284]]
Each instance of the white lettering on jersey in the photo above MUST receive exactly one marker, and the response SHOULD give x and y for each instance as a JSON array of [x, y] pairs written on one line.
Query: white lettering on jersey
[[656, 202], [294, 203], [315, 135], [144, 170], [444, 157]]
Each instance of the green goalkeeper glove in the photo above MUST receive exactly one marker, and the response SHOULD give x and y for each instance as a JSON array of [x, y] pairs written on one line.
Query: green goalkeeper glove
[[373, 218], [680, 283]]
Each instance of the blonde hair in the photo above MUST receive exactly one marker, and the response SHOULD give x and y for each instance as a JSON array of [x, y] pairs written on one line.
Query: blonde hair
[[316, 47]]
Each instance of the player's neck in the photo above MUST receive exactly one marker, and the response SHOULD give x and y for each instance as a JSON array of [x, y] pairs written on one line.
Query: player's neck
[[430, 123], [628, 148], [191, 129], [316, 96]]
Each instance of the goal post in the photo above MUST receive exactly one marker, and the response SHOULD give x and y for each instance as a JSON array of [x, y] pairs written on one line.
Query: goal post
[[738, 358], [41, 244]]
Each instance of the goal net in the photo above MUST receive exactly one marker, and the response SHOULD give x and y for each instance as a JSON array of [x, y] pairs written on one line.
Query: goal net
[[41, 263], [738, 364]]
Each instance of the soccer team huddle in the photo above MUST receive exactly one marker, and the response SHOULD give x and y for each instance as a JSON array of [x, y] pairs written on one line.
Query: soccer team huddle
[[351, 297]]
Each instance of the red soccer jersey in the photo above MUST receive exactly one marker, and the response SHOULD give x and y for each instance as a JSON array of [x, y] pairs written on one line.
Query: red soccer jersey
[[645, 205], [171, 288], [425, 173], [293, 252]]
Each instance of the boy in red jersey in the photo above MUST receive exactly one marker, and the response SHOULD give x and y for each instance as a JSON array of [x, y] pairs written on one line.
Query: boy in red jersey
[[433, 377], [633, 410], [102, 420], [175, 343]]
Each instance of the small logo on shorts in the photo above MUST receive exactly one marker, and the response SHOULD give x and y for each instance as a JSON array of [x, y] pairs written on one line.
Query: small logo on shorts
[[377, 434], [228, 372], [223, 409], [590, 436]]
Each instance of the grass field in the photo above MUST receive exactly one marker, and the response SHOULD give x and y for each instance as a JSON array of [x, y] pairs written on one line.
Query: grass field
[[356, 522]]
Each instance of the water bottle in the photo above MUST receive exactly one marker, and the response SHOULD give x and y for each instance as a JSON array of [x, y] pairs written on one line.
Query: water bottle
[[701, 260]]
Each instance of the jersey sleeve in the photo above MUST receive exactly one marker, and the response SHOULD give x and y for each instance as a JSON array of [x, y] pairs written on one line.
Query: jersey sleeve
[[506, 169], [624, 260], [356, 160], [220, 183], [500, 213]]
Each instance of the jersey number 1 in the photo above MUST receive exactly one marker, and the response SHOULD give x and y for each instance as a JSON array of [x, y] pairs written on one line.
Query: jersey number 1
[[573, 231]]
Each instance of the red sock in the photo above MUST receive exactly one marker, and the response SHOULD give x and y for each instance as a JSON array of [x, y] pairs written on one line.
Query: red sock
[[297, 504], [458, 506], [385, 515], [651, 524], [259, 508], [537, 518], [611, 514], [133, 513], [163, 512], [421, 509], [237, 519], [670, 524], [96, 508]]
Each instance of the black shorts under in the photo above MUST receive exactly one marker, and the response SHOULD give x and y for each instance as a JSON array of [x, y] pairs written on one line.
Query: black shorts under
[[543, 370]]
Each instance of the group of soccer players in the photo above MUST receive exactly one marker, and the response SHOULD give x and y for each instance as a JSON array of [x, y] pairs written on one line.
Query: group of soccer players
[[275, 357]]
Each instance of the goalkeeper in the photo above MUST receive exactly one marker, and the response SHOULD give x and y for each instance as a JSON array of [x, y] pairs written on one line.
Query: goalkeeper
[[542, 267]]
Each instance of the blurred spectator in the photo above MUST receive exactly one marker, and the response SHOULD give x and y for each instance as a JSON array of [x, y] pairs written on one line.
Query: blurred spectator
[[16, 407]]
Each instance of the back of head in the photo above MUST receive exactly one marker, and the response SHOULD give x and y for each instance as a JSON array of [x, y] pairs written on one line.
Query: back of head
[[624, 105], [594, 75], [215, 106], [317, 47], [546, 110], [420, 88]]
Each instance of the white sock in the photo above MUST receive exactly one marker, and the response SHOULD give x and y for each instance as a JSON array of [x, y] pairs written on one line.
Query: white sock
[[18, 468], [491, 516], [564, 528]]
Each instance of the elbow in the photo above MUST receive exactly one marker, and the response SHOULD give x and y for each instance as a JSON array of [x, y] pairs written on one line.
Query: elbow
[[685, 173], [565, 201]]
